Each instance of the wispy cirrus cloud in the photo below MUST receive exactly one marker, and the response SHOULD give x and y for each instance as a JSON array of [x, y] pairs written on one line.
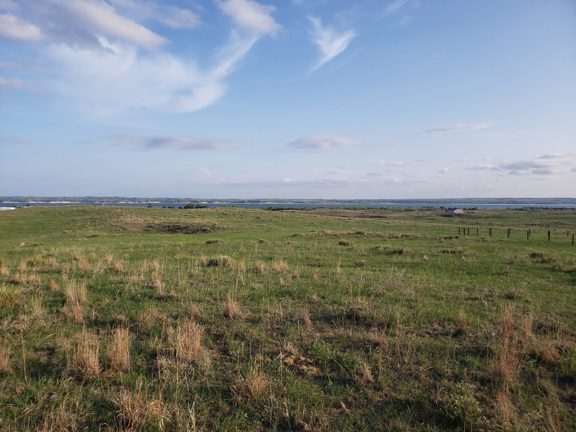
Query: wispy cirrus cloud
[[12, 27], [329, 42], [457, 127], [251, 16], [165, 14], [399, 6], [102, 59], [13, 84], [542, 166], [321, 143], [185, 143]]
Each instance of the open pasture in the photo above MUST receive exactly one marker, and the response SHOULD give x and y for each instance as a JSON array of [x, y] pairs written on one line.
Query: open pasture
[[306, 320]]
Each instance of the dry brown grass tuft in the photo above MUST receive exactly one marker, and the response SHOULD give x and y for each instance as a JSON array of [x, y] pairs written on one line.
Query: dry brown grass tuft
[[231, 308], [117, 266], [23, 266], [461, 324], [76, 296], [505, 409], [259, 267], [36, 307], [83, 265], [135, 410], [507, 361], [305, 318], [75, 292], [9, 297], [52, 263], [280, 266], [547, 351], [53, 285], [63, 417], [84, 361], [5, 362], [252, 386], [241, 266], [158, 286], [201, 261], [194, 312], [4, 271], [186, 341], [528, 324], [149, 317], [290, 348], [119, 350], [365, 374]]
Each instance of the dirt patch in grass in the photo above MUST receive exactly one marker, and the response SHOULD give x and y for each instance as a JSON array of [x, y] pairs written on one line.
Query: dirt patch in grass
[[167, 225]]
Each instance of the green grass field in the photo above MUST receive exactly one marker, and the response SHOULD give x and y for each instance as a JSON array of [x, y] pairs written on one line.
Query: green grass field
[[319, 320]]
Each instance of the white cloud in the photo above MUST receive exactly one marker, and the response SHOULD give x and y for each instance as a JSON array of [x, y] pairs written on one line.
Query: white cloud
[[321, 143], [92, 54], [15, 28], [103, 19], [250, 15], [186, 143], [457, 127], [168, 15], [330, 43], [122, 79], [394, 164], [398, 6], [205, 172], [542, 166], [11, 84], [99, 56]]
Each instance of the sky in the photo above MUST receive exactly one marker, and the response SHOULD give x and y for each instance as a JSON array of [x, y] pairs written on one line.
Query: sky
[[288, 99]]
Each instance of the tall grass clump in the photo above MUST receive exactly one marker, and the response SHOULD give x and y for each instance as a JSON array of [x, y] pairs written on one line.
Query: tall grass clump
[[76, 296], [119, 350], [5, 362], [186, 341], [84, 359], [231, 307]]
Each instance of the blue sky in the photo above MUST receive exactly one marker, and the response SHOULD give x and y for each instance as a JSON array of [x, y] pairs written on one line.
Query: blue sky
[[288, 99]]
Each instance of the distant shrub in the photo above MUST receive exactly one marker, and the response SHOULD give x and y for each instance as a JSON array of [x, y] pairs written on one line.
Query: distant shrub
[[385, 249], [540, 257], [213, 241], [194, 206], [182, 227], [219, 261], [452, 251]]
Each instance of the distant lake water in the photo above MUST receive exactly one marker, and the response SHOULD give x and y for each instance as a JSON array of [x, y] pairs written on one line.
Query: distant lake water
[[488, 203]]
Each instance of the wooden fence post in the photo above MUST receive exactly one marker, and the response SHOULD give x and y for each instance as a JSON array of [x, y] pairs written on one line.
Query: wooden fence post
[[548, 234], [490, 231]]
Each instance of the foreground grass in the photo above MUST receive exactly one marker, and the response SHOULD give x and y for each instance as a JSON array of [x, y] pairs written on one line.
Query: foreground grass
[[228, 319]]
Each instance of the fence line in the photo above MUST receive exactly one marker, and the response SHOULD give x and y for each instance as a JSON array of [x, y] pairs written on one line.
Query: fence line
[[465, 230]]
